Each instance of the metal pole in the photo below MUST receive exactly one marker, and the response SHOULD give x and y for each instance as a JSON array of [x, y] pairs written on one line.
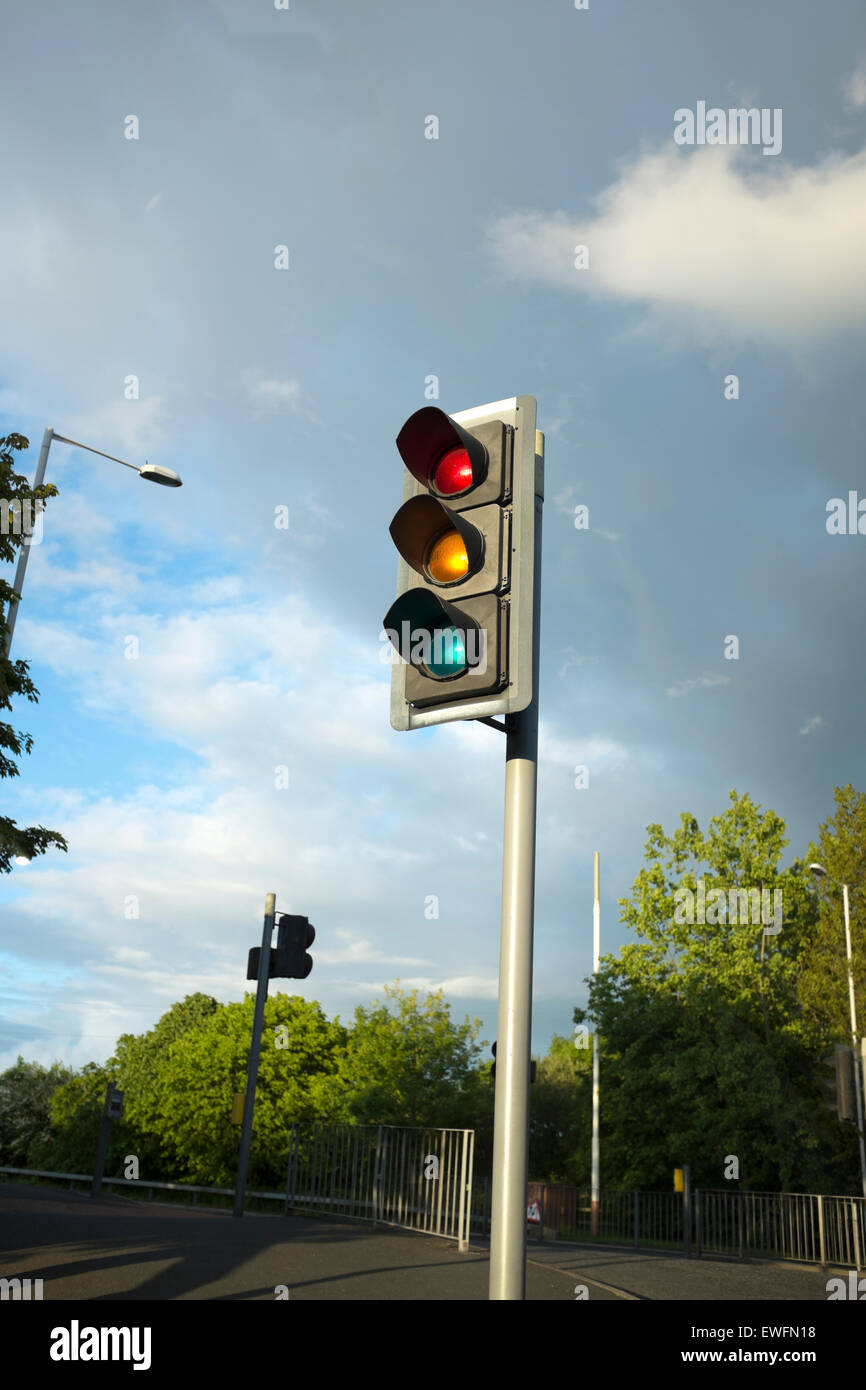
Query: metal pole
[[596, 945], [255, 1045], [511, 1107], [25, 548], [858, 1090], [102, 1144], [687, 1209]]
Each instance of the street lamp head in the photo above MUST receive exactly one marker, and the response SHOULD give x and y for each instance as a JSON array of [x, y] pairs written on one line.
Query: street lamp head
[[154, 474], [817, 869]]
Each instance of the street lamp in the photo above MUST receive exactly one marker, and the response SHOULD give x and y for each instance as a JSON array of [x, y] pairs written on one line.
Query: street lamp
[[151, 472], [858, 1091]]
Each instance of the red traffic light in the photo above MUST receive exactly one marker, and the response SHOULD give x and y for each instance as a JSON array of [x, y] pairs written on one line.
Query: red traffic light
[[440, 454], [453, 473]]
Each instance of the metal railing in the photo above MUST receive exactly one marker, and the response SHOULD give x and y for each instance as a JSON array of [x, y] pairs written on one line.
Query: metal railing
[[785, 1225], [148, 1185], [420, 1179], [805, 1227], [379, 1173]]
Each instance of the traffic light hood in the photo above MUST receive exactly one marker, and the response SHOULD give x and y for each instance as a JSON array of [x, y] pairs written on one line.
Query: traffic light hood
[[427, 439]]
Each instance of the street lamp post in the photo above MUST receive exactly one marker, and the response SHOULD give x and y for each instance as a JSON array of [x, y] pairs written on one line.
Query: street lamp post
[[151, 472], [858, 1088]]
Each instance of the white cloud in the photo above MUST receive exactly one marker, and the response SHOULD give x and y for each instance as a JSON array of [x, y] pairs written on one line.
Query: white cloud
[[574, 658], [709, 241], [855, 87], [812, 724], [698, 683], [272, 395], [134, 428]]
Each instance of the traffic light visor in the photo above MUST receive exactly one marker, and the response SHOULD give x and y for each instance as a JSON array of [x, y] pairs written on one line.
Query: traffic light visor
[[435, 636], [440, 545], [442, 455]]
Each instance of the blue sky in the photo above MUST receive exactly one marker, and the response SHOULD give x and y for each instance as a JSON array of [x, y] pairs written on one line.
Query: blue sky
[[411, 257]]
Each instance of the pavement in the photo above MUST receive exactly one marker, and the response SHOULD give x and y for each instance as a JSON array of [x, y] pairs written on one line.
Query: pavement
[[114, 1248]]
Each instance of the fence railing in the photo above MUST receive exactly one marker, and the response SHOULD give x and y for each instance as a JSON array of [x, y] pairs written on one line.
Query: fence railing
[[380, 1173], [799, 1226], [417, 1178]]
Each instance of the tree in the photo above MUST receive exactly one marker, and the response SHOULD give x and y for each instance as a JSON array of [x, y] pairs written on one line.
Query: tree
[[410, 1065], [706, 1049], [824, 984], [26, 1091], [197, 1060], [142, 1075], [76, 1109], [560, 1114], [14, 679]]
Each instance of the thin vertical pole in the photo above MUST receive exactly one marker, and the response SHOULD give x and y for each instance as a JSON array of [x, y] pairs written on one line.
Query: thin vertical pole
[[462, 1233], [858, 1090], [511, 1106], [255, 1046], [596, 946], [18, 582], [687, 1209], [102, 1144]]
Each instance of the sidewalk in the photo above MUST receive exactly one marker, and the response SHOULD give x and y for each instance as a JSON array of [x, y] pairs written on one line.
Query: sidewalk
[[640, 1274]]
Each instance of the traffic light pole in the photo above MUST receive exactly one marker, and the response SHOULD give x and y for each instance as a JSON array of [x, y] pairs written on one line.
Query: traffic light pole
[[255, 1048], [511, 1113]]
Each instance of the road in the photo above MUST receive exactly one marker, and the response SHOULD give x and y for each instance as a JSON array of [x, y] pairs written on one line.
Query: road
[[117, 1249]]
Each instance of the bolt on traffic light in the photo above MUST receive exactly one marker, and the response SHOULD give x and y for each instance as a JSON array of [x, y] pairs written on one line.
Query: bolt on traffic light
[[462, 621]]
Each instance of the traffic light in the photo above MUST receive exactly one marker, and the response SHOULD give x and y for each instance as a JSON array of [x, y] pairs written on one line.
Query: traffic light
[[461, 624], [842, 1086], [294, 935], [113, 1103], [289, 959]]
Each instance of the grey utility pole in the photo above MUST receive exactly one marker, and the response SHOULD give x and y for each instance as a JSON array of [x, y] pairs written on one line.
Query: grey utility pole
[[513, 1037], [152, 473], [858, 1088], [25, 549], [596, 1061], [255, 1047], [112, 1109], [858, 1059]]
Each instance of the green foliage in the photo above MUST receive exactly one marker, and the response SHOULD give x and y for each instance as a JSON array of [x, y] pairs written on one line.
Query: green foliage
[[411, 1065], [26, 1091], [76, 1108], [841, 850], [706, 1050], [179, 1081], [560, 1114], [14, 680]]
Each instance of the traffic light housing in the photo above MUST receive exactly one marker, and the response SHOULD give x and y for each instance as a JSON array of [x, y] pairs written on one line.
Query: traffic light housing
[[461, 624], [289, 959], [294, 935], [113, 1103], [842, 1086]]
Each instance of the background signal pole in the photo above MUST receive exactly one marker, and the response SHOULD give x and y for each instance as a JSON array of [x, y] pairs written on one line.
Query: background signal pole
[[511, 1112], [596, 947], [255, 1047]]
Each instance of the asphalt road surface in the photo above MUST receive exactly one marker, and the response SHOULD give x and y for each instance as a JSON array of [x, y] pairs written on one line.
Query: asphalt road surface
[[118, 1249]]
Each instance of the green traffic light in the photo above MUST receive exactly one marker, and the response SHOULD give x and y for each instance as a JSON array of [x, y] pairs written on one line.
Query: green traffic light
[[448, 656]]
